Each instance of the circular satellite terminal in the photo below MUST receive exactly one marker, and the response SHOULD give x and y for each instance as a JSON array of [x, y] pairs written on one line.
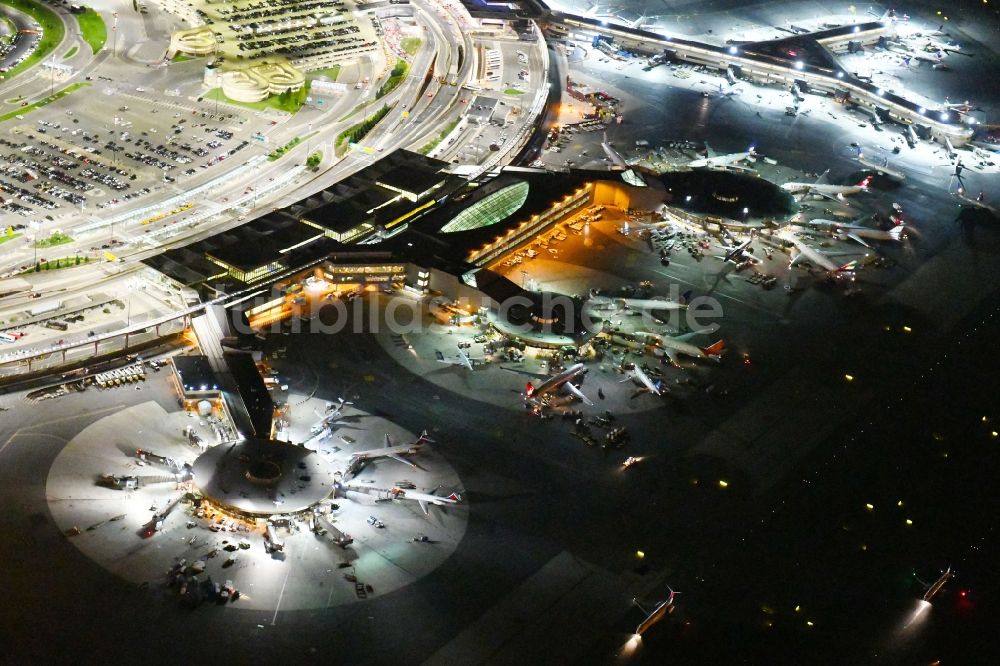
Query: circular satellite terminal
[[262, 477]]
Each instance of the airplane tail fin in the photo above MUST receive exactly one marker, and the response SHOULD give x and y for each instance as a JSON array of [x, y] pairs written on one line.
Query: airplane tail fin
[[424, 438], [865, 182], [454, 497], [848, 267], [714, 349], [529, 390], [896, 233]]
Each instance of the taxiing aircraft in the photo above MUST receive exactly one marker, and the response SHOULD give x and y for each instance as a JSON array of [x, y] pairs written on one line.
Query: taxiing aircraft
[[656, 614], [563, 381], [713, 160], [933, 589], [822, 188]]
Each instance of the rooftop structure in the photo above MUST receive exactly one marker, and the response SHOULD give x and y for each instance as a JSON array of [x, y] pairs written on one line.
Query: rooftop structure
[[260, 477]]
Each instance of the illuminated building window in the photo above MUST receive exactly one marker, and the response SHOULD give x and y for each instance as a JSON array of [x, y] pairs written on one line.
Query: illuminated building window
[[495, 208], [524, 231]]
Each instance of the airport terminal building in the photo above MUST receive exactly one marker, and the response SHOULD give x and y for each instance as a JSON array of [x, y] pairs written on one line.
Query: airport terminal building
[[402, 222]]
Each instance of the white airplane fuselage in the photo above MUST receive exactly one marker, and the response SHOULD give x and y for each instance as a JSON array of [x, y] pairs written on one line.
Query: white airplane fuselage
[[681, 347], [718, 160], [822, 188], [554, 382], [387, 452], [894, 234]]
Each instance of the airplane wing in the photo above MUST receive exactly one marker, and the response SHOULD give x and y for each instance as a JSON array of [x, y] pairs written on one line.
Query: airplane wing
[[423, 507], [535, 375], [402, 460], [859, 239], [823, 178], [571, 388], [671, 354], [798, 259], [461, 359], [831, 197]]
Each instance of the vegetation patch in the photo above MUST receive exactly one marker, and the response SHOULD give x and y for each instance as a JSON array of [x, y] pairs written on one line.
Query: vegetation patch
[[328, 73], [289, 102], [57, 238], [356, 133], [410, 45], [92, 28], [69, 54], [445, 131], [56, 264], [279, 152], [396, 77], [42, 102], [52, 33]]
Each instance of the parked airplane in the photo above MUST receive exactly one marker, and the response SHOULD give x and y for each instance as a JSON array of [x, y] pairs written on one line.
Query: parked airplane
[[461, 358], [339, 406], [563, 381], [614, 303], [739, 252], [424, 499], [636, 372], [713, 160], [389, 450], [882, 167], [674, 347], [859, 233], [824, 189], [817, 258]]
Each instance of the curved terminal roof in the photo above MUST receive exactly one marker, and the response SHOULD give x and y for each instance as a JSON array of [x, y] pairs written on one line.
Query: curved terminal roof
[[490, 210]]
